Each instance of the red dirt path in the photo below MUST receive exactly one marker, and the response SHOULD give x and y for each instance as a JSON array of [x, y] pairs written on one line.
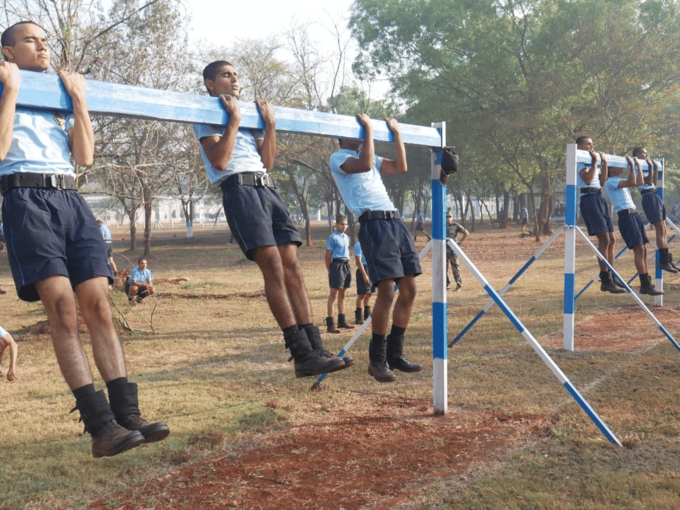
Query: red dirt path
[[374, 454]]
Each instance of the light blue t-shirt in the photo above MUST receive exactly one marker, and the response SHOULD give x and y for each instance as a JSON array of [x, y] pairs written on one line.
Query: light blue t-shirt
[[580, 183], [106, 234], [338, 244], [364, 191], [359, 253], [39, 143], [244, 158], [620, 197], [2, 332], [139, 276]]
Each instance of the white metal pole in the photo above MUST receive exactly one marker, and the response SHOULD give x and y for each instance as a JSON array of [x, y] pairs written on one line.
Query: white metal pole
[[570, 249]]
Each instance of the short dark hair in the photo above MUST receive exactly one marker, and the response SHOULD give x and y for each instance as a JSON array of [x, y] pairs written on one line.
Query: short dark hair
[[211, 70], [582, 139], [339, 218], [637, 150], [140, 259], [8, 35]]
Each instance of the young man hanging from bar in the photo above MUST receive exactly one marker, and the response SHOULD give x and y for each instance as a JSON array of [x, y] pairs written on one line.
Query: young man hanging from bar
[[54, 243], [238, 161], [589, 181], [655, 210], [385, 241], [630, 224]]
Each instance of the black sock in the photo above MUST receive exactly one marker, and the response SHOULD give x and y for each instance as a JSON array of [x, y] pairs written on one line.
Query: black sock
[[397, 331], [305, 326], [84, 391], [114, 384], [290, 330], [378, 338]]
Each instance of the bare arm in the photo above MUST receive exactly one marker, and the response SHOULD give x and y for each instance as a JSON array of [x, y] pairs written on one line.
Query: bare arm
[[604, 171], [465, 234], [589, 175], [632, 180], [10, 78], [367, 156], [267, 147], [219, 149], [653, 174], [362, 270], [81, 135], [398, 166], [329, 253]]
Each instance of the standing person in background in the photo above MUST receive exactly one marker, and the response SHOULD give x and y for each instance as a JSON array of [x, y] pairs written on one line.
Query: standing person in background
[[654, 209], [524, 221], [420, 227], [7, 342], [106, 234], [339, 273], [452, 230], [365, 287]]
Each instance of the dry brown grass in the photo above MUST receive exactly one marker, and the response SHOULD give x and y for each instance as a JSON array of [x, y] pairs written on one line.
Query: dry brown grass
[[215, 365]]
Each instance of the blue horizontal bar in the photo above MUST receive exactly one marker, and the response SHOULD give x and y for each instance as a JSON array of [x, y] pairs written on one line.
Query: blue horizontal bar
[[612, 160], [45, 91]]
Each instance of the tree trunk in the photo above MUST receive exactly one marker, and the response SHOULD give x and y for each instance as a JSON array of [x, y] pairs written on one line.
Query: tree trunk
[[146, 193], [506, 208], [472, 210]]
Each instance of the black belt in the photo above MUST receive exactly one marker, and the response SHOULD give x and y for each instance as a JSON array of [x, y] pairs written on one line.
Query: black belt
[[590, 190], [258, 180], [626, 212], [378, 215], [648, 190], [341, 261], [34, 180]]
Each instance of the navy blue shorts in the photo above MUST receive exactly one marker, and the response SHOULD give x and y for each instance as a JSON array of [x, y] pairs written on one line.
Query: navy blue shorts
[[51, 232], [340, 274], [141, 293], [362, 288], [595, 213], [109, 249], [389, 250], [632, 230], [653, 207], [258, 217]]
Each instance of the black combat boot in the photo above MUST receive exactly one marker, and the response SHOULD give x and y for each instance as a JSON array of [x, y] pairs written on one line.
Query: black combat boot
[[330, 326], [666, 261], [342, 322], [309, 362], [125, 407], [395, 355], [314, 336], [647, 287], [367, 312], [670, 259], [358, 317], [108, 438], [607, 285], [377, 365]]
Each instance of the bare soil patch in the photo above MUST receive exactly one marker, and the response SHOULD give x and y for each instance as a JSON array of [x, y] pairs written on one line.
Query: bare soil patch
[[376, 454], [624, 329]]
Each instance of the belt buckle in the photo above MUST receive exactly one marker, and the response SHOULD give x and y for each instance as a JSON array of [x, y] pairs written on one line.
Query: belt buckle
[[261, 181]]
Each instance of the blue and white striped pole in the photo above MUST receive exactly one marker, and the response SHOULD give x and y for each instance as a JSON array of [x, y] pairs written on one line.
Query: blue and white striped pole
[[537, 347], [439, 318], [507, 285], [629, 290], [658, 281], [363, 327], [570, 249]]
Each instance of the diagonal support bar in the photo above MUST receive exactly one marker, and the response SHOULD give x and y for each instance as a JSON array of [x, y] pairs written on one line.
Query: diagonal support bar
[[630, 291], [512, 281], [537, 348]]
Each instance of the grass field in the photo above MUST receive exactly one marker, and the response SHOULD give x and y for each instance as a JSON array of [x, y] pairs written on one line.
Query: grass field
[[217, 372]]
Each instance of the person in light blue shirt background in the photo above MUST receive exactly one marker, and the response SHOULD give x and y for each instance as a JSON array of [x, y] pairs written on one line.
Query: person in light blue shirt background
[[630, 224], [595, 212], [339, 274], [106, 234], [140, 283], [365, 287], [655, 210]]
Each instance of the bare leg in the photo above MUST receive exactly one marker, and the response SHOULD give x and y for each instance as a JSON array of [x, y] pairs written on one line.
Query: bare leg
[[268, 260], [113, 265], [295, 284], [383, 304], [57, 297], [93, 297], [360, 300], [603, 248], [331, 302], [610, 248], [404, 305], [640, 254], [660, 228], [341, 301]]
